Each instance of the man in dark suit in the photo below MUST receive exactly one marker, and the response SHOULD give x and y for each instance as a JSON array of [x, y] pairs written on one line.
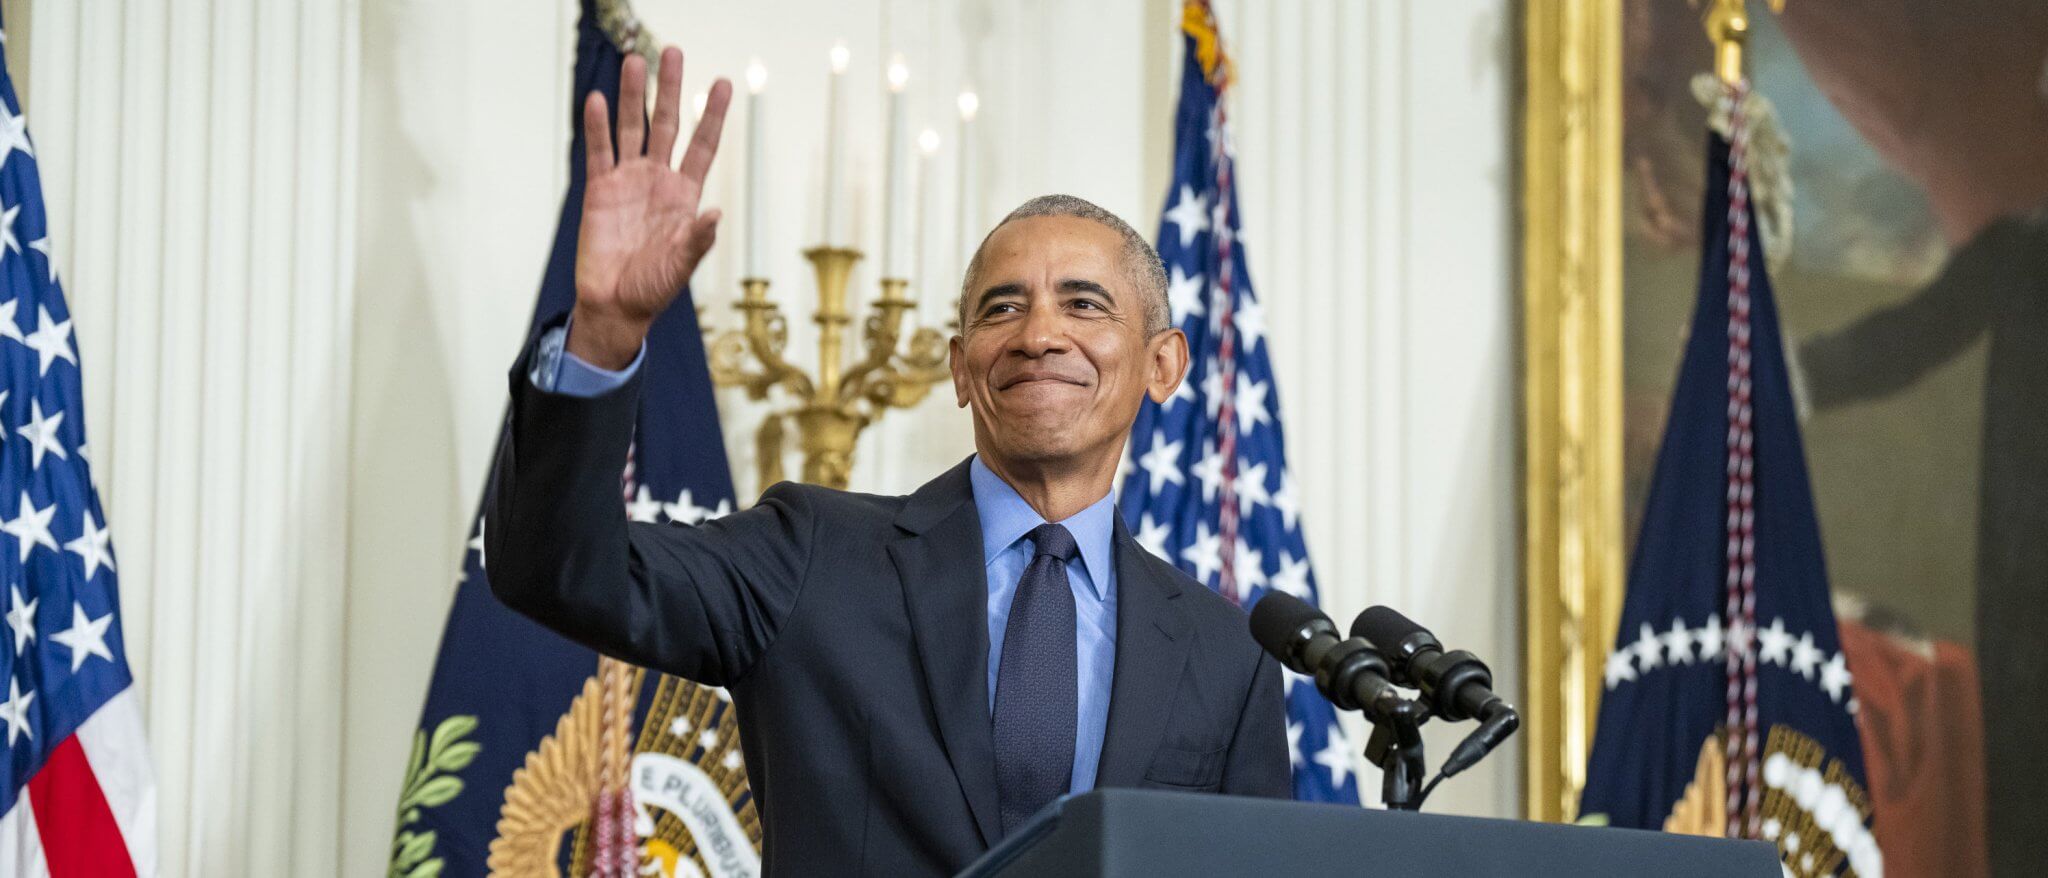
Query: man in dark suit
[[915, 676]]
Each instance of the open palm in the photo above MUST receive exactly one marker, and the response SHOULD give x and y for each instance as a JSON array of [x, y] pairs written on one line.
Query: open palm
[[642, 233]]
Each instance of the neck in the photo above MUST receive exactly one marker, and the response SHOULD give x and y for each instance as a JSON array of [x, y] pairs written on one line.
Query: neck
[[1056, 489]]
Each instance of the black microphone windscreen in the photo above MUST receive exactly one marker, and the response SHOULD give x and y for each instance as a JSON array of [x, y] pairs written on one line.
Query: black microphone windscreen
[[1277, 617], [1383, 627]]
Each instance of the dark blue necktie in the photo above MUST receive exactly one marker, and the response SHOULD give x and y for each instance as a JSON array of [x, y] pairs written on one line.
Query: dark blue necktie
[[1036, 685]]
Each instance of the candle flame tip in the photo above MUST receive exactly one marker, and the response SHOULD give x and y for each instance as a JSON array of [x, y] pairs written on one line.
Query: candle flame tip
[[757, 76], [841, 56], [899, 72], [970, 103]]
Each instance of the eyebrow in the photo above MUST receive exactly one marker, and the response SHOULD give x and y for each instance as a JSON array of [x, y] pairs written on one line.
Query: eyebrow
[[1069, 286], [997, 292], [1083, 285]]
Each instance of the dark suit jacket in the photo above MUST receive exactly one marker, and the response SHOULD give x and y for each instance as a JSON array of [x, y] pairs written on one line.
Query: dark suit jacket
[[852, 633]]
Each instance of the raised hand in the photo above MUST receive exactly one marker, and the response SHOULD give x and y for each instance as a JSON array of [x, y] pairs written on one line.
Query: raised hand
[[642, 234]]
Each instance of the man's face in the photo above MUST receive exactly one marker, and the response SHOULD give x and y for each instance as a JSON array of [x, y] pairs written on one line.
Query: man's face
[[1054, 358]]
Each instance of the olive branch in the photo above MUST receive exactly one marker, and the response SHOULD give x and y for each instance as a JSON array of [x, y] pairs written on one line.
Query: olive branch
[[429, 781]]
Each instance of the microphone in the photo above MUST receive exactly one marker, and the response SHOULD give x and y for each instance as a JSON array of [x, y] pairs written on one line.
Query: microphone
[[1456, 684], [1348, 672]]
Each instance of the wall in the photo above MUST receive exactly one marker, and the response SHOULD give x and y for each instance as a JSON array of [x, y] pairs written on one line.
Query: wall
[[306, 305], [464, 139]]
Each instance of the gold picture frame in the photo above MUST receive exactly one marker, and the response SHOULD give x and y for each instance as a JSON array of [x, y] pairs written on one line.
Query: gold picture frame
[[1572, 529]]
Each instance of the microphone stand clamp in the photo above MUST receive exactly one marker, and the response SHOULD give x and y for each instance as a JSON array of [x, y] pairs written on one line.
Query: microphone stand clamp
[[1396, 747]]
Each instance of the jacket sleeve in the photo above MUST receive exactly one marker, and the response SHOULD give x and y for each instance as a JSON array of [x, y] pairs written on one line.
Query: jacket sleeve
[[1257, 764], [699, 602]]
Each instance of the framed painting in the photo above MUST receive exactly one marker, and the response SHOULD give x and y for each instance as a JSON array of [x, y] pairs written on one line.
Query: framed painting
[[1902, 188]]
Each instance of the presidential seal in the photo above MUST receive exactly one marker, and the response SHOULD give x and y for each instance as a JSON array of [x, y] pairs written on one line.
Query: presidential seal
[[670, 800]]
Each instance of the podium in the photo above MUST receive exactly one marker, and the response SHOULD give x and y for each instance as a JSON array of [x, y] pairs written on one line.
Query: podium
[[1145, 832]]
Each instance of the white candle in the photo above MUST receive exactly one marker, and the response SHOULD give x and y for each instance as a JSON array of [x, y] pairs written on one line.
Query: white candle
[[964, 231], [927, 204], [835, 137], [895, 217], [757, 81]]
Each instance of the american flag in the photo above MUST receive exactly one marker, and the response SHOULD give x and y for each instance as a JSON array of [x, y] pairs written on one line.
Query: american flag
[[76, 796], [1207, 485]]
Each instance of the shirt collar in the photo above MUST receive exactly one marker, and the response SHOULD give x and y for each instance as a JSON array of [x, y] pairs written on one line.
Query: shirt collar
[[1006, 518]]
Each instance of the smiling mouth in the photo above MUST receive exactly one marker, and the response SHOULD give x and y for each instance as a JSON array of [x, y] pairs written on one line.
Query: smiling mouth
[[1039, 380]]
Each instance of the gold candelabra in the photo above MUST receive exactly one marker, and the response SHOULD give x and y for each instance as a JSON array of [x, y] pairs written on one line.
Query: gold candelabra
[[833, 408]]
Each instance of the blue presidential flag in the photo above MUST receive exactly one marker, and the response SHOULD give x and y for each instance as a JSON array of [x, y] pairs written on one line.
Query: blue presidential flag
[[533, 755], [1729, 707], [1207, 485]]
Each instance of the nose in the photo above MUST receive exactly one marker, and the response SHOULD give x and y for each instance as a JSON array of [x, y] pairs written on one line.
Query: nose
[[1044, 331]]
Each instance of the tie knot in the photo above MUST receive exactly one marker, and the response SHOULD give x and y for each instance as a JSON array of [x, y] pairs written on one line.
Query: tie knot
[[1054, 540]]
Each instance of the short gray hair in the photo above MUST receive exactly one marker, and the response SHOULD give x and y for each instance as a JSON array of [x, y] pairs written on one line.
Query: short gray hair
[[1140, 262]]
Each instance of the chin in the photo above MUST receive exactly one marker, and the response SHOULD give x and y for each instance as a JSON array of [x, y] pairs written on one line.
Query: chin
[[1048, 434], [1039, 447]]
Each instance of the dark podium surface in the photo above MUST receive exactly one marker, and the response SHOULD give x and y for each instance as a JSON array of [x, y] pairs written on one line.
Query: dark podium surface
[[1144, 832]]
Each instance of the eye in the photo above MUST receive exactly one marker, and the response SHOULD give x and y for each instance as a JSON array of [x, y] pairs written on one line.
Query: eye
[[1089, 304], [999, 308]]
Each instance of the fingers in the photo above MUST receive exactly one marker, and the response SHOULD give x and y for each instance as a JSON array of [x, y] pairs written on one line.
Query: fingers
[[704, 143], [632, 106], [668, 98], [597, 136]]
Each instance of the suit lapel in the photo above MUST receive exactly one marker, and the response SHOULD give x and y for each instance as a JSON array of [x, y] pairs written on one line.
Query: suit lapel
[[1153, 636], [945, 589]]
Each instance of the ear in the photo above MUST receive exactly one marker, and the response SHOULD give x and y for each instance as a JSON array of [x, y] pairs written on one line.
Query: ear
[[1168, 356], [956, 359]]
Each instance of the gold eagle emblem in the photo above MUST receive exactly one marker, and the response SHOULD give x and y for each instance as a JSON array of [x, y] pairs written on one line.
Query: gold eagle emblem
[[553, 794]]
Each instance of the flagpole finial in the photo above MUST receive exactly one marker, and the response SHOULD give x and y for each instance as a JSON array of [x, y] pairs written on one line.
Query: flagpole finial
[[1198, 21], [1727, 25]]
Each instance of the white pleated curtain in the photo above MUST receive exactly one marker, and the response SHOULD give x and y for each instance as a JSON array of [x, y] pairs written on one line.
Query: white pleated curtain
[[196, 156]]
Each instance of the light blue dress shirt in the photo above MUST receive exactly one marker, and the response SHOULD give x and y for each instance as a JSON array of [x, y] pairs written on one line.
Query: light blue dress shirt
[[1005, 519], [556, 370]]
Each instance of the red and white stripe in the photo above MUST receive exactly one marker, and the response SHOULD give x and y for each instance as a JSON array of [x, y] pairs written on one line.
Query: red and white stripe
[[91, 811], [1744, 756]]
